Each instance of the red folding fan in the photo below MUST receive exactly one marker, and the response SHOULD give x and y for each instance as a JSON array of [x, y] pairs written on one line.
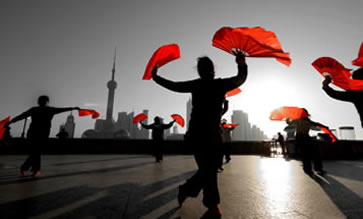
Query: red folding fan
[[341, 76], [139, 117], [88, 112], [233, 92], [160, 57], [230, 125], [290, 112], [179, 119], [253, 42], [330, 133], [2, 123], [359, 61]]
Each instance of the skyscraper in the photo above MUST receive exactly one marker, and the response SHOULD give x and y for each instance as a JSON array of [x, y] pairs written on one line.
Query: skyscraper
[[106, 128], [245, 131], [70, 125], [189, 110], [111, 85], [240, 132], [175, 129]]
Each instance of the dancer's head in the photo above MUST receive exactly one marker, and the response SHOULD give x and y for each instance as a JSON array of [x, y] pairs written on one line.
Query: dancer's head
[[157, 119], [358, 74], [43, 100], [205, 68]]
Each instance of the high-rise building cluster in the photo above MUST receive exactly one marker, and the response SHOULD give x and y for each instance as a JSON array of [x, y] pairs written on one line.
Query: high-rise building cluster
[[244, 132]]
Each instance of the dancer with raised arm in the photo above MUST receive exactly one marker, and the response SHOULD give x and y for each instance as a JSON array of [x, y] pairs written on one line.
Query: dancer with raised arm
[[354, 96], [310, 152], [157, 134], [208, 95], [39, 130]]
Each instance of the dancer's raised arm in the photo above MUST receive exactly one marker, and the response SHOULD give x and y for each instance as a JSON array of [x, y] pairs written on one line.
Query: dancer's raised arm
[[181, 87]]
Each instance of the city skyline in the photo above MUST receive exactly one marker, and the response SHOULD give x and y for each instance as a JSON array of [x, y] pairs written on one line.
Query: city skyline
[[65, 49]]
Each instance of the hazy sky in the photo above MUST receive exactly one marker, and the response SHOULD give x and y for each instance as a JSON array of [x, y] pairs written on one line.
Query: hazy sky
[[65, 48]]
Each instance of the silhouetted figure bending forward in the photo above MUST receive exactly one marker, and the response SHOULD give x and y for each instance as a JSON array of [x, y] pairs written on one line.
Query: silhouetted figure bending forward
[[38, 131], [208, 95], [158, 136]]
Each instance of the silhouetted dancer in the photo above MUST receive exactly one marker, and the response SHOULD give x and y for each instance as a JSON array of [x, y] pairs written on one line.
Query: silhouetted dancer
[[309, 150], [224, 149], [355, 97], [227, 137], [157, 134], [38, 131], [208, 95], [280, 139]]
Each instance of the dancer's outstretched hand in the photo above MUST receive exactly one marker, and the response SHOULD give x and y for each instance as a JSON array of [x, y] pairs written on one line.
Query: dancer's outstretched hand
[[154, 71], [240, 58], [327, 81]]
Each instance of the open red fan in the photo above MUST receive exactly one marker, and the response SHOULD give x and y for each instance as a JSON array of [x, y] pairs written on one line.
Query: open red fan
[[341, 76], [179, 119], [88, 112], [253, 42], [139, 117], [290, 112], [233, 92], [2, 123], [160, 57], [230, 125], [330, 133], [359, 61]]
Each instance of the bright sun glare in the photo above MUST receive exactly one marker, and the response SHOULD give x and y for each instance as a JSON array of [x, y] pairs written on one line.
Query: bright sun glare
[[258, 99]]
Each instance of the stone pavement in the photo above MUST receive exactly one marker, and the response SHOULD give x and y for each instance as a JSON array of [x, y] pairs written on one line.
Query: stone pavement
[[133, 186]]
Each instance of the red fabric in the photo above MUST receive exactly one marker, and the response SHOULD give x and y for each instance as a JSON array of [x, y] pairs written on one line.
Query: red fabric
[[359, 61], [290, 112], [139, 117], [160, 57], [253, 42], [230, 125], [233, 92], [327, 131], [341, 76], [2, 123], [178, 119], [88, 112]]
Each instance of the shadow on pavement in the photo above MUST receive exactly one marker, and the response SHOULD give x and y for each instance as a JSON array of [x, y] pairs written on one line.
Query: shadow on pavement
[[127, 200], [349, 203], [121, 158], [103, 170]]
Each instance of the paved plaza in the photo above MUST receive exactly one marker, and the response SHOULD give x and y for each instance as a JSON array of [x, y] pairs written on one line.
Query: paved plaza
[[134, 186]]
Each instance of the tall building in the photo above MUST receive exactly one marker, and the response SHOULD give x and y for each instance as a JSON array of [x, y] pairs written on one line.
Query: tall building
[[189, 110], [175, 135], [241, 132], [245, 131], [70, 125], [111, 85], [167, 133], [105, 128], [124, 122], [175, 129]]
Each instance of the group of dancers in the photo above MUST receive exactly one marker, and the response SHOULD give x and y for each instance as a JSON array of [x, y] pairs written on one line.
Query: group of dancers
[[204, 131]]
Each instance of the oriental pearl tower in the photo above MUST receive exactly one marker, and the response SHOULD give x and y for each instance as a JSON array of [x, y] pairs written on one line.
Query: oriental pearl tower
[[111, 85]]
